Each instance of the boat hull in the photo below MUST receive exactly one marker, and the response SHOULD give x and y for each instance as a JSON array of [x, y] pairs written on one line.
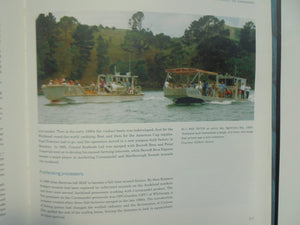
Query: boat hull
[[191, 95], [101, 98], [184, 95], [76, 94]]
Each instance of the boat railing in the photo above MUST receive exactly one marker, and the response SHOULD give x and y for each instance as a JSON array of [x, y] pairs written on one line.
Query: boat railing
[[137, 90]]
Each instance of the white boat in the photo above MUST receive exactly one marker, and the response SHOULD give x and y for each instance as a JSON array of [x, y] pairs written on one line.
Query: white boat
[[188, 85], [109, 88]]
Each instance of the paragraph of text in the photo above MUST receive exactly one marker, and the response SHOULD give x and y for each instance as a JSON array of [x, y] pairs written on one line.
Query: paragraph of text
[[57, 145], [59, 199], [209, 135]]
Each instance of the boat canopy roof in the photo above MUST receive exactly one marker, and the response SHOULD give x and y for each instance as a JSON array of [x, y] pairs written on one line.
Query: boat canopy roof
[[118, 75], [188, 71], [198, 73]]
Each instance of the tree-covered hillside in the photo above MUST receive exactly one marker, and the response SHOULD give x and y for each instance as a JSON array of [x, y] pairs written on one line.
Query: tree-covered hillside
[[67, 48]]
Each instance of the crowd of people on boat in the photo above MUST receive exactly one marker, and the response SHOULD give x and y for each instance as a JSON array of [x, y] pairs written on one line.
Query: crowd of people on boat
[[64, 81], [244, 90], [114, 86], [213, 90], [104, 87]]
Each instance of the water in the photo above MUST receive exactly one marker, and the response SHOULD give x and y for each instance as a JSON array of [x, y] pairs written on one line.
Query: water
[[153, 108]]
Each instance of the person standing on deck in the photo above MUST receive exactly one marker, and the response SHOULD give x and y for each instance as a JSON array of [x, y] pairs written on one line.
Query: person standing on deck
[[198, 86], [213, 87], [223, 88], [167, 84], [243, 90], [102, 85], [248, 88], [205, 88]]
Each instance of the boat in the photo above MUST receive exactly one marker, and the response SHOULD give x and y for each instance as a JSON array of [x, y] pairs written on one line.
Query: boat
[[189, 85], [108, 88]]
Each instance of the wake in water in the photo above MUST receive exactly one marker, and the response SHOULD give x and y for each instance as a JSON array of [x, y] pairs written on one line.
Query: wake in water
[[251, 97], [221, 103], [154, 98]]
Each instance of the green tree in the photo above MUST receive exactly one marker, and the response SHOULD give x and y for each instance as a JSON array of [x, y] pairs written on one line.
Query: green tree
[[139, 68], [102, 58], [247, 37], [120, 66], [136, 20], [136, 42], [64, 54], [245, 67], [177, 54], [82, 46], [156, 70], [215, 54], [46, 42], [162, 41], [204, 28]]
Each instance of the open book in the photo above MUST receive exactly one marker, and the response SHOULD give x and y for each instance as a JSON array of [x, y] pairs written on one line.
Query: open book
[[132, 112]]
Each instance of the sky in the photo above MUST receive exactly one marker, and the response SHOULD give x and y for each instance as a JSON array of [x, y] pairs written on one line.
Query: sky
[[170, 24]]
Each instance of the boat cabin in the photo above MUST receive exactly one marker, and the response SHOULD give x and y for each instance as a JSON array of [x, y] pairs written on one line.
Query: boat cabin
[[118, 84], [201, 84]]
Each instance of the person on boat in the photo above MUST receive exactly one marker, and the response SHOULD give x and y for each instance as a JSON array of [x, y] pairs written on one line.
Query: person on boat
[[92, 86], [205, 88], [243, 90], [167, 84], [240, 93], [62, 80], [127, 84], [209, 86], [114, 86], [228, 93], [71, 82], [234, 91], [50, 82], [223, 88], [77, 83], [131, 89], [213, 87], [248, 88], [102, 85], [199, 86]]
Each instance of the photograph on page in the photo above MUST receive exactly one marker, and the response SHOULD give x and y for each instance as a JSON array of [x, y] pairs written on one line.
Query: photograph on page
[[143, 67]]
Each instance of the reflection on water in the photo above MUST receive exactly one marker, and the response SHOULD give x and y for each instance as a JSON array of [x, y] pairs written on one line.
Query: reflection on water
[[153, 108]]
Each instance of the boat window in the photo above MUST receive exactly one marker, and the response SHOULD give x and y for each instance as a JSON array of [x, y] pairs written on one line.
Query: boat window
[[230, 82], [222, 80], [108, 79], [212, 78]]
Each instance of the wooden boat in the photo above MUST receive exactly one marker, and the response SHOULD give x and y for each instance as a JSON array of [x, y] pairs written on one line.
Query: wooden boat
[[109, 88], [189, 85]]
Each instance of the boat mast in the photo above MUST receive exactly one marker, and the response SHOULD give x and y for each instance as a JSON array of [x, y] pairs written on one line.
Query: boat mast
[[129, 64]]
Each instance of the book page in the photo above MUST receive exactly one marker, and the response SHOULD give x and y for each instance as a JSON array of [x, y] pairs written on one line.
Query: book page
[[13, 143], [289, 194], [150, 112]]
